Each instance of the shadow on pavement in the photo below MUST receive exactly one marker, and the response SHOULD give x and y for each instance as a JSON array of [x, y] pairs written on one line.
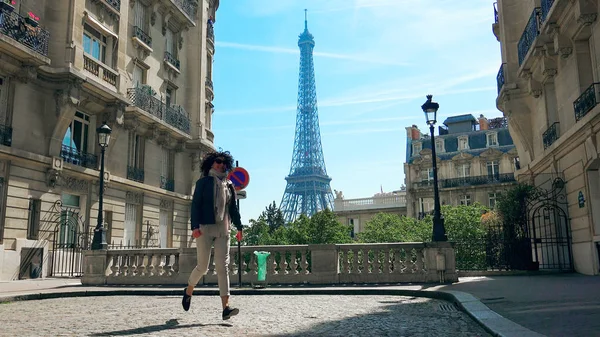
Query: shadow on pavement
[[169, 325]]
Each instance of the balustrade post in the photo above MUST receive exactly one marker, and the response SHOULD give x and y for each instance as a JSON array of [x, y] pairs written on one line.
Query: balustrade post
[[95, 264], [324, 264], [187, 262], [440, 261]]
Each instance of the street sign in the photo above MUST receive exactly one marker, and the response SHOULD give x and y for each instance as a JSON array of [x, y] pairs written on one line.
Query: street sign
[[240, 195], [239, 177]]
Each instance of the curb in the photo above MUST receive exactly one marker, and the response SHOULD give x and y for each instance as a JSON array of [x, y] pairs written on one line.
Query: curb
[[488, 319]]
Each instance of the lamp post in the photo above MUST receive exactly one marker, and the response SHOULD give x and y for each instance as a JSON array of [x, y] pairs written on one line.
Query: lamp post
[[439, 232], [99, 241]]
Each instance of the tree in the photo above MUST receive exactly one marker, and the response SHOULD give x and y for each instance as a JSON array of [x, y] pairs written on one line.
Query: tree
[[386, 227], [273, 216]]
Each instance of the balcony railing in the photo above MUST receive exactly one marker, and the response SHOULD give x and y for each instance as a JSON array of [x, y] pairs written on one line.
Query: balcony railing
[[140, 34], [167, 184], [5, 135], [495, 12], [72, 155], [546, 6], [135, 174], [210, 94], [550, 135], [500, 77], [587, 101], [100, 70], [172, 60], [186, 6], [479, 180], [16, 27], [532, 30], [175, 116], [210, 32]]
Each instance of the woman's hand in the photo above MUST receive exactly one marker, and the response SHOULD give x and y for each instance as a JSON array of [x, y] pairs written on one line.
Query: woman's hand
[[196, 233]]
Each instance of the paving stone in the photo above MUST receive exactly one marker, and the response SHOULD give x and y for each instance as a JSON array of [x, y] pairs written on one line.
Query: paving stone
[[260, 315]]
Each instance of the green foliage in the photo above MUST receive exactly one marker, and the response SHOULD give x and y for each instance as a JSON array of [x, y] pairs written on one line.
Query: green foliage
[[512, 207], [386, 227], [463, 223]]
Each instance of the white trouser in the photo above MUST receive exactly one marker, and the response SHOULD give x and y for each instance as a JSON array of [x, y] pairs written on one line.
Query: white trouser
[[218, 235]]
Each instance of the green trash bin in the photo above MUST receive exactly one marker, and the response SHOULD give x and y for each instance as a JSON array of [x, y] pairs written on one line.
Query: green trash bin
[[261, 258]]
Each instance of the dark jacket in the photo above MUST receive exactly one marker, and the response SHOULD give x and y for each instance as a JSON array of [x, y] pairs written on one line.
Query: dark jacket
[[203, 204]]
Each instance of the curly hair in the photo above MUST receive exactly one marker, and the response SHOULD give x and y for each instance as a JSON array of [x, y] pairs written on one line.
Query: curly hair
[[210, 157]]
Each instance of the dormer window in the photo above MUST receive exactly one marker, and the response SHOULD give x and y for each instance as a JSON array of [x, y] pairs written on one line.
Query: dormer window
[[416, 148], [492, 139], [463, 143], [439, 145]]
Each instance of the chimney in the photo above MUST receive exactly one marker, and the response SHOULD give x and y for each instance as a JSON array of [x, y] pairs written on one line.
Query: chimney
[[413, 133], [483, 123]]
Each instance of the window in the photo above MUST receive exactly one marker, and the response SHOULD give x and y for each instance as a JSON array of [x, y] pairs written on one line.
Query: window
[[465, 200], [33, 225], [417, 147], [492, 200], [164, 228], [492, 139], [427, 174], [76, 136], [355, 229], [2, 209], [170, 98], [171, 44], [208, 115], [492, 170], [439, 145], [463, 143], [94, 43], [463, 170], [129, 232], [69, 221], [167, 170], [136, 151], [209, 66], [517, 163], [4, 117], [138, 76], [141, 16]]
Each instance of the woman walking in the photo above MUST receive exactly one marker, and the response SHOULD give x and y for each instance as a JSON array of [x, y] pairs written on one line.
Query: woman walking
[[213, 211]]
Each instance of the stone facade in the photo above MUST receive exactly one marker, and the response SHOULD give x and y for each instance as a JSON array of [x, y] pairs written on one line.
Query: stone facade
[[69, 66], [356, 212], [548, 89], [475, 159]]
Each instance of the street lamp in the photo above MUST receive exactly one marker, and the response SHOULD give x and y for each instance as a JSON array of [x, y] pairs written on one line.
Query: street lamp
[[99, 241], [439, 232]]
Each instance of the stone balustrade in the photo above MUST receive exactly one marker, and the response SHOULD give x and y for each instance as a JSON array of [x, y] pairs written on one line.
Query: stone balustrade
[[378, 202], [293, 264]]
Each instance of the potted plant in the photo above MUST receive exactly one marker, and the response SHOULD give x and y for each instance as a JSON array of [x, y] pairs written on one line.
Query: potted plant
[[7, 5], [32, 19]]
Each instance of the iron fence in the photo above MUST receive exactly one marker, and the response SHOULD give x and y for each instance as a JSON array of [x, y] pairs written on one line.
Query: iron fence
[[172, 60], [550, 135], [479, 180], [80, 158], [587, 101], [142, 35], [175, 116], [135, 173], [167, 184], [532, 30]]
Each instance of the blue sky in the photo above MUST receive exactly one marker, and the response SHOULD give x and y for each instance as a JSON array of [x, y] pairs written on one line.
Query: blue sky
[[375, 60]]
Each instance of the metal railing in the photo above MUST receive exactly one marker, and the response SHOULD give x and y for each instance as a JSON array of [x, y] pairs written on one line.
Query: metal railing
[[15, 26], [135, 174], [172, 60], [479, 180], [500, 78], [142, 35], [188, 7], [175, 116], [72, 155], [546, 6], [6, 135], [550, 135], [532, 30], [167, 184], [587, 101], [210, 32], [496, 12]]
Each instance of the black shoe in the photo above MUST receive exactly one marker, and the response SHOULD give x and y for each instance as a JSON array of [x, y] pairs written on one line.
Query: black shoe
[[229, 312], [186, 301]]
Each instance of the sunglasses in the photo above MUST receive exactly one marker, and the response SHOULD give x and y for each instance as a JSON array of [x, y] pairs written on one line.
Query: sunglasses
[[219, 161]]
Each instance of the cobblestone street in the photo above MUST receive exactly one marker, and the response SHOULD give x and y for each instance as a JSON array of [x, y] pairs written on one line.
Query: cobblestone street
[[260, 315]]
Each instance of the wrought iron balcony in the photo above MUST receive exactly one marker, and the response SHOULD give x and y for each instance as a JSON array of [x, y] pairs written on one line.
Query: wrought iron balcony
[[188, 7], [425, 183], [143, 36], [495, 12], [167, 184], [72, 155], [500, 78], [135, 174], [24, 30], [172, 60], [210, 32], [532, 30], [478, 180], [116, 4], [587, 101], [5, 135], [546, 6], [175, 116], [551, 135], [210, 94]]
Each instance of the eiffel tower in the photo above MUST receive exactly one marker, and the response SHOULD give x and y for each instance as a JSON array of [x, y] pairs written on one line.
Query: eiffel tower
[[307, 190]]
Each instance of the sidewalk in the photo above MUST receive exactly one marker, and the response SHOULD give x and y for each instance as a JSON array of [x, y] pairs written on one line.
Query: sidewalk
[[551, 305]]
